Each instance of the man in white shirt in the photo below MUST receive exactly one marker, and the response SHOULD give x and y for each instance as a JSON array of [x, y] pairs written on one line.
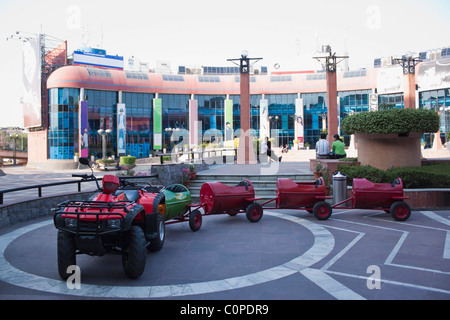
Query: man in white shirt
[[322, 147]]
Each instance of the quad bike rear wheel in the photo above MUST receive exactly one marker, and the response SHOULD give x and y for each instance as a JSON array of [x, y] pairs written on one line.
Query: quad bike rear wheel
[[158, 242]]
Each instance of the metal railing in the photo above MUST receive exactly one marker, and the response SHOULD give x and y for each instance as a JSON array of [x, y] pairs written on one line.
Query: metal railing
[[40, 186], [214, 152]]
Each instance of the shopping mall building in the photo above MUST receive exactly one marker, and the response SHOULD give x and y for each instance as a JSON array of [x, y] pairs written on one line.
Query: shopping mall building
[[147, 111]]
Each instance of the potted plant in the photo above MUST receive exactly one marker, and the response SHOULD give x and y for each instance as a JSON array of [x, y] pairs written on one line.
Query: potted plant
[[326, 179], [193, 172], [307, 145], [318, 171], [390, 138], [185, 176]]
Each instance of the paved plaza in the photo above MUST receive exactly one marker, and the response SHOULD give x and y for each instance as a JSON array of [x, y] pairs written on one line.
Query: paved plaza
[[287, 255]]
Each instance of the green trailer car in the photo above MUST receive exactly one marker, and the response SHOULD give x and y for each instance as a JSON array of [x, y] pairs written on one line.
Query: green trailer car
[[174, 204]]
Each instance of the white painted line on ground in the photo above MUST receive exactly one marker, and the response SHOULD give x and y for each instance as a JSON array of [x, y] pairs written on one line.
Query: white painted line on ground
[[333, 287], [434, 216], [447, 246]]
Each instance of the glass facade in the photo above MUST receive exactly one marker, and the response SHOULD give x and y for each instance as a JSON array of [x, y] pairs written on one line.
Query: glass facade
[[102, 113], [315, 115], [211, 114], [437, 100], [175, 118], [139, 113], [352, 102], [254, 112], [63, 132], [282, 117], [63, 123], [391, 100]]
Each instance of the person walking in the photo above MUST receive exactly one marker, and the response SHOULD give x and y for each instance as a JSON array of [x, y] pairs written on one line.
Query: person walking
[[266, 150]]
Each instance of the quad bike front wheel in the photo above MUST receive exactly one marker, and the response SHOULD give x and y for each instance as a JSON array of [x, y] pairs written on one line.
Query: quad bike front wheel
[[134, 255], [66, 253]]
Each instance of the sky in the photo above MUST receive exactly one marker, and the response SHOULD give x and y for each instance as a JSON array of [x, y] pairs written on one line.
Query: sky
[[208, 32]]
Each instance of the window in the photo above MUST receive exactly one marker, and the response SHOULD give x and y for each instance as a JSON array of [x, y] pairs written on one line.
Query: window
[[136, 75], [316, 76], [280, 78], [353, 74], [208, 79], [172, 77], [97, 72]]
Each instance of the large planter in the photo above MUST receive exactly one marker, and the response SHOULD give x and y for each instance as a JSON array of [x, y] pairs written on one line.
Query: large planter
[[384, 151]]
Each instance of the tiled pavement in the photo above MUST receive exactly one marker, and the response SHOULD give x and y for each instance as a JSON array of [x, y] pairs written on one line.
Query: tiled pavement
[[288, 255]]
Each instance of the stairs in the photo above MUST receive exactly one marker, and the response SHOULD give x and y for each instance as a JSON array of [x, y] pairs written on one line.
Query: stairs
[[265, 185]]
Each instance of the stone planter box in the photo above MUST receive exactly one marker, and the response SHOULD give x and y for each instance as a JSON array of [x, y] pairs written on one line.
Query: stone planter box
[[384, 151]]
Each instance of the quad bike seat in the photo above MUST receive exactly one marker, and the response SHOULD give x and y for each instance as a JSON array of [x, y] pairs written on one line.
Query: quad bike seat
[[130, 195]]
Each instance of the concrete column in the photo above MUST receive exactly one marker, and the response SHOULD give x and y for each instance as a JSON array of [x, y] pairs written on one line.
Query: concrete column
[[332, 105], [409, 96], [245, 151]]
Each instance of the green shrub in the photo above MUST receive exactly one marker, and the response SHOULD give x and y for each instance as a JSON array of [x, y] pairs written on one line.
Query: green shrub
[[392, 121], [370, 173], [432, 176], [105, 161], [127, 160]]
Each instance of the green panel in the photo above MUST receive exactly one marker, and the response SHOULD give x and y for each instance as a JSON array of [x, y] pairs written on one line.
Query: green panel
[[229, 112], [157, 124]]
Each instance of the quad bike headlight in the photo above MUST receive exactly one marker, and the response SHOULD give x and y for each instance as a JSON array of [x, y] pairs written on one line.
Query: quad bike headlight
[[113, 223], [70, 223]]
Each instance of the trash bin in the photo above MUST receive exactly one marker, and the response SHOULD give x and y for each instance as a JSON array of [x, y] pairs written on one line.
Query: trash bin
[[339, 187]]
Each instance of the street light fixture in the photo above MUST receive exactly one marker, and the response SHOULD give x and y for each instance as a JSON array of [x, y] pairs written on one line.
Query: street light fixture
[[245, 152], [445, 110], [14, 137], [104, 133]]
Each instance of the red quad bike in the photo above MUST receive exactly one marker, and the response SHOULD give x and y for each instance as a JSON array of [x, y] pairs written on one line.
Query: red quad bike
[[219, 198], [307, 195], [112, 221], [379, 196]]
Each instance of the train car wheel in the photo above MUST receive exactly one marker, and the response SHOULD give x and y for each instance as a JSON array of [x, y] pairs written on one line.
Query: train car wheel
[[400, 211], [254, 212], [195, 220], [322, 210]]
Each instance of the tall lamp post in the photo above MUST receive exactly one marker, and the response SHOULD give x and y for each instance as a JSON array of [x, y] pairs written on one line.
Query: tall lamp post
[[444, 111], [331, 62], [104, 133], [14, 137], [246, 154], [409, 80]]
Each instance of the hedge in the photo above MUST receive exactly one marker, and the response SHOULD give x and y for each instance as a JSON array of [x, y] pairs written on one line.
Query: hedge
[[432, 176], [392, 121], [127, 160]]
